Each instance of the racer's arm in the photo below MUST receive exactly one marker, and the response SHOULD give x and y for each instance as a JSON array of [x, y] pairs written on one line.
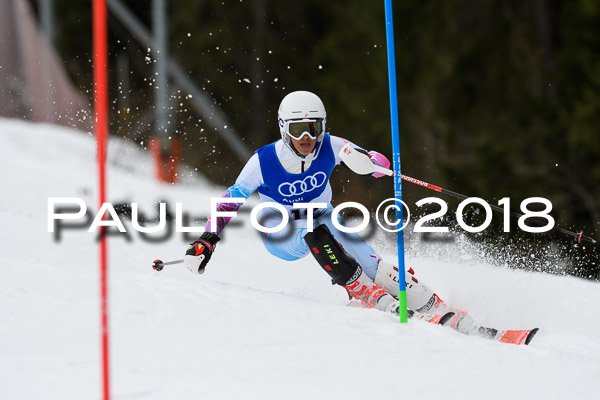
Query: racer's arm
[[199, 253], [246, 183], [377, 158]]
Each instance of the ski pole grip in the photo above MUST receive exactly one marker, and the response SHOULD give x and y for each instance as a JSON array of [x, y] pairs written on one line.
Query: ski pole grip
[[382, 170]]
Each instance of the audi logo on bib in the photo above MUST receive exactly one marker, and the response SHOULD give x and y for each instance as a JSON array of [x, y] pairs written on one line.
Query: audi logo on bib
[[306, 185]]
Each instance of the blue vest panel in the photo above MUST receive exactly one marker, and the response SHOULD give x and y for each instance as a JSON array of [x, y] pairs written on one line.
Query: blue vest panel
[[286, 188]]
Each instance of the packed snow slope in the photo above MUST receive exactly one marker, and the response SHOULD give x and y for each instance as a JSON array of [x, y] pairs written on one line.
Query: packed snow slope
[[253, 326]]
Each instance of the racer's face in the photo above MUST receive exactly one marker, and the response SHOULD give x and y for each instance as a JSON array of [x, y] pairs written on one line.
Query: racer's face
[[304, 145]]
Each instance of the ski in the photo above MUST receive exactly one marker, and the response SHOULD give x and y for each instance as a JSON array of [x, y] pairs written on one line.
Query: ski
[[462, 322], [517, 337], [438, 319]]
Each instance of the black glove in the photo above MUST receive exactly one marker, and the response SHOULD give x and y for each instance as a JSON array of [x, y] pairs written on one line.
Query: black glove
[[199, 252]]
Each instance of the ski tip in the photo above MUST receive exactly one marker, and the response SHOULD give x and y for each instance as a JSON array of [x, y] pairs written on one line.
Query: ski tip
[[531, 335]]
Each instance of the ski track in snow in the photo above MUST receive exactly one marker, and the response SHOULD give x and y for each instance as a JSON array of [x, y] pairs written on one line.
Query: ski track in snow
[[252, 326]]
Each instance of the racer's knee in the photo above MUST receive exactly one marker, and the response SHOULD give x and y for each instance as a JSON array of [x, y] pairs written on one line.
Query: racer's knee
[[288, 250], [330, 255]]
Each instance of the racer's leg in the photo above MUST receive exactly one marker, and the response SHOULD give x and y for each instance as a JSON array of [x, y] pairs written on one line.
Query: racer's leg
[[346, 272]]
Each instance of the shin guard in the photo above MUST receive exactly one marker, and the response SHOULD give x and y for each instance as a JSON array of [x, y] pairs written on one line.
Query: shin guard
[[330, 255], [345, 270]]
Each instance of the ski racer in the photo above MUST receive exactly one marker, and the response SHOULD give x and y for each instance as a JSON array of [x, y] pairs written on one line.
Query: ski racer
[[297, 169]]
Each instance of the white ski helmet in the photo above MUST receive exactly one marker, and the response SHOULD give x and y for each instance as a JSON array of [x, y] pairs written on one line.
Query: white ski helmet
[[301, 113]]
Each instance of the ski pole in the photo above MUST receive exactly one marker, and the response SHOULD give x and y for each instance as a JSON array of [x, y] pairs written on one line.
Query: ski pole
[[158, 265], [515, 214]]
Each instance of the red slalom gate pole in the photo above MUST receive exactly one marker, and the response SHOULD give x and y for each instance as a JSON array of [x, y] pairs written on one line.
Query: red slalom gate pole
[[100, 59]]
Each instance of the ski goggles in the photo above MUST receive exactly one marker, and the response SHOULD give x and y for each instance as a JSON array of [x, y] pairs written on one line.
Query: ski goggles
[[297, 128]]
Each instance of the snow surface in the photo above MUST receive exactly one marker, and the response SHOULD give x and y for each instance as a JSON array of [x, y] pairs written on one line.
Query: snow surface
[[252, 326]]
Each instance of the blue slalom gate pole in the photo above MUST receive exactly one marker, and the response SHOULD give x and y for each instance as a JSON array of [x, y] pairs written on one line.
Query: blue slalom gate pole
[[391, 58]]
